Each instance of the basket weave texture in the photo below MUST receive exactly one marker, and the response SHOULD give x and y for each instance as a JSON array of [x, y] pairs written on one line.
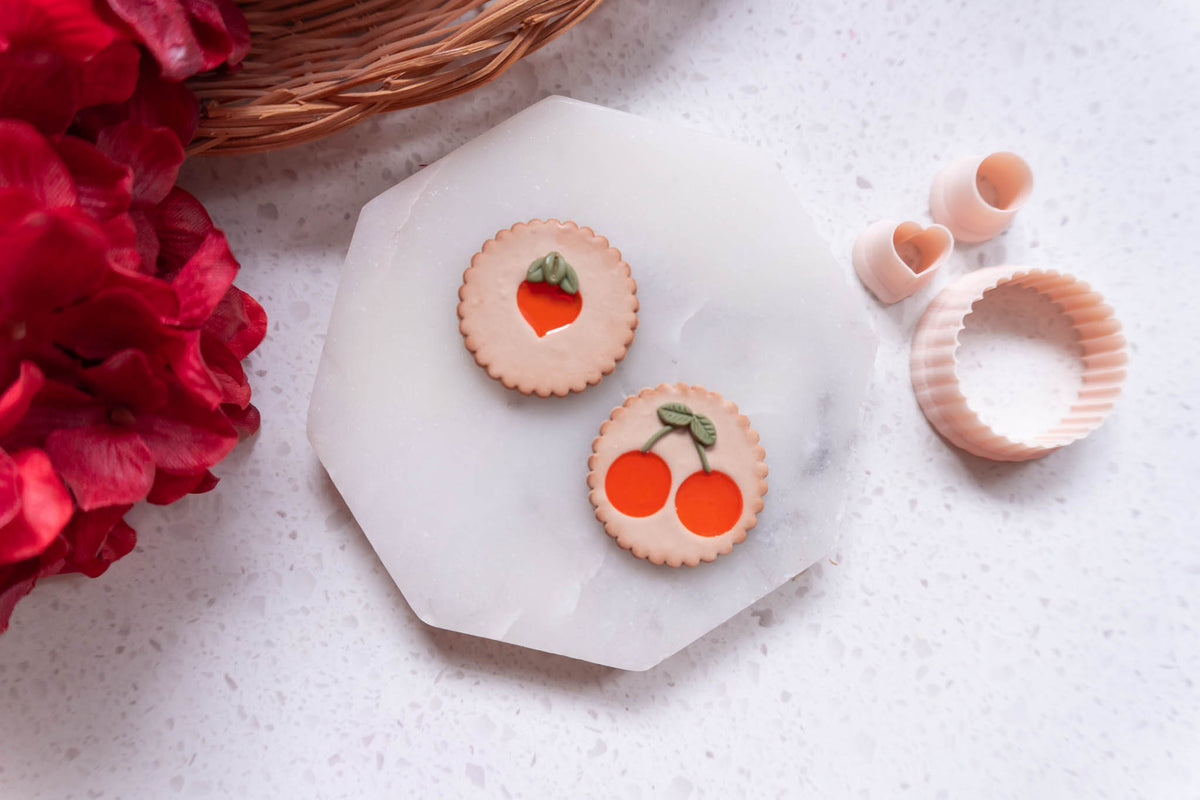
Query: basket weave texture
[[317, 66]]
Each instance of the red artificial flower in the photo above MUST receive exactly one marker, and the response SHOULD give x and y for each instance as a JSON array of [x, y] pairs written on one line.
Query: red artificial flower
[[153, 154], [71, 28], [34, 505], [57, 56], [187, 36], [155, 102], [121, 339], [121, 333]]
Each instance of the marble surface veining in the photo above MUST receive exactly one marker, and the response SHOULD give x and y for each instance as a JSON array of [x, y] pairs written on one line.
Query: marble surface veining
[[980, 630]]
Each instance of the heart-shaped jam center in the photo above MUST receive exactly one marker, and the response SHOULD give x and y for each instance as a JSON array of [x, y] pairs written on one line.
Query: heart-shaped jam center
[[547, 308]]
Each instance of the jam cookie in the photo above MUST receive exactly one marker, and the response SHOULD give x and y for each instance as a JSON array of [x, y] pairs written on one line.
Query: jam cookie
[[677, 475], [548, 307]]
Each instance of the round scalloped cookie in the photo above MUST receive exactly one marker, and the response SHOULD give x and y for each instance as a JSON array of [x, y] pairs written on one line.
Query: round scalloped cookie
[[677, 475], [552, 330]]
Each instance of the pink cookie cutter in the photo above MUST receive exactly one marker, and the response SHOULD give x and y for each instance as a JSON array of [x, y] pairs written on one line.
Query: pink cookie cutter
[[976, 197], [894, 259], [934, 363]]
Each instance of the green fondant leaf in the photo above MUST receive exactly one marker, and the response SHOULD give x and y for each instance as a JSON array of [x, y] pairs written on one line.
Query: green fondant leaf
[[676, 414], [554, 268], [537, 271], [703, 430], [570, 281]]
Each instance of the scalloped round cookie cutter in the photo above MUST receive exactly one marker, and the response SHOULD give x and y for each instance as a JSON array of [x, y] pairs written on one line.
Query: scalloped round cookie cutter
[[977, 196], [934, 362], [895, 259]]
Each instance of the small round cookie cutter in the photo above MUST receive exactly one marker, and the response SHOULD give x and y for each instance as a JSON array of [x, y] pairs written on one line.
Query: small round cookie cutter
[[976, 197], [934, 362]]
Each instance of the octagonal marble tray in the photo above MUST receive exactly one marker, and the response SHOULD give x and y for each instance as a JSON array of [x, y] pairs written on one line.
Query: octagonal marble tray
[[474, 496]]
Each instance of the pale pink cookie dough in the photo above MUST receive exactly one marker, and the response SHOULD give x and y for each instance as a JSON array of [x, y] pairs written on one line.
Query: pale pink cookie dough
[[565, 360], [661, 537]]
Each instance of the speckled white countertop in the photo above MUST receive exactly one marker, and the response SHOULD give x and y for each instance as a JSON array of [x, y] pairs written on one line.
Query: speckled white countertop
[[982, 630]]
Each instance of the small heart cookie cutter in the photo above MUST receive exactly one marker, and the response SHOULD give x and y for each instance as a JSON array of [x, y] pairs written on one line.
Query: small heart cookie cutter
[[934, 362], [977, 196], [896, 259]]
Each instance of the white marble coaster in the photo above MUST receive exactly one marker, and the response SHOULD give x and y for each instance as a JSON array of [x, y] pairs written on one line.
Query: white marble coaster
[[474, 496]]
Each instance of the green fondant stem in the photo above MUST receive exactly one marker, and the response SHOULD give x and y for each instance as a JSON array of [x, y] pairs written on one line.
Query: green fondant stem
[[654, 439], [678, 416]]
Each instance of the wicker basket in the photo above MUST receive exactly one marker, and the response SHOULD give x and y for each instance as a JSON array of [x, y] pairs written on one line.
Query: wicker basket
[[317, 66]]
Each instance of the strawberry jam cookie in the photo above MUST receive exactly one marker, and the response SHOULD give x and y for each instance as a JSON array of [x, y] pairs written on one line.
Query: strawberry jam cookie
[[677, 475], [548, 307]]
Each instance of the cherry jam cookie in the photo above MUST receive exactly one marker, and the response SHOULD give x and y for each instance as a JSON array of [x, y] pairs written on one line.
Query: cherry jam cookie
[[548, 307], [677, 475]]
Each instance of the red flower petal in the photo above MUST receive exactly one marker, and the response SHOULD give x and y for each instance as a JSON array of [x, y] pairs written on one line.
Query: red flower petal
[[205, 279], [163, 26], [16, 202], [155, 102], [227, 369], [156, 294], [186, 437], [97, 538], [238, 321], [188, 364], [221, 30], [45, 509], [147, 241], [238, 29], [33, 347], [159, 102], [37, 86], [15, 583], [16, 399], [118, 319], [247, 420], [169, 486], [10, 489], [109, 76], [71, 27], [87, 529], [119, 542], [110, 321], [209, 29], [182, 225], [53, 560], [153, 153], [127, 379], [104, 187], [27, 161], [51, 259], [104, 465], [57, 405], [122, 235], [207, 483]]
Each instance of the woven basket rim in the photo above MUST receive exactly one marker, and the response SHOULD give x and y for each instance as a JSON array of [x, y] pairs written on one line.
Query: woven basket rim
[[318, 66]]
